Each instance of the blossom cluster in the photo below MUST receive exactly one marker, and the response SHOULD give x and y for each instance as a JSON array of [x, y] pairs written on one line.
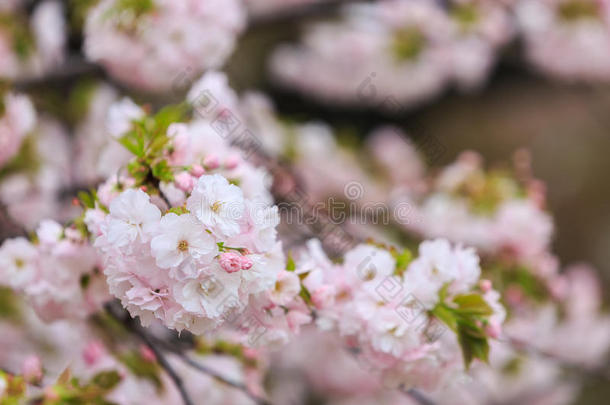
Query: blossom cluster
[[194, 276], [392, 309], [146, 242], [31, 45], [490, 210], [407, 50], [560, 35], [17, 119], [502, 212], [149, 43], [121, 372], [397, 54], [31, 183], [59, 274]]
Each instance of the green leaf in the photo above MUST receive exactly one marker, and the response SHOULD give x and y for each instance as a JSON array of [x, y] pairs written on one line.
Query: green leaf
[[473, 304], [86, 199], [402, 261], [85, 280], [162, 171], [306, 295], [138, 7], [178, 210], [9, 307], [142, 368], [290, 264], [106, 380], [132, 142], [446, 315], [169, 115], [157, 145], [473, 347]]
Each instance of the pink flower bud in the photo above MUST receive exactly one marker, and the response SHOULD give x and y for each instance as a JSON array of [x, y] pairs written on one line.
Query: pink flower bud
[[93, 352], [232, 162], [211, 162], [230, 262], [485, 285], [184, 181], [147, 354], [493, 329], [246, 262], [197, 170], [32, 369]]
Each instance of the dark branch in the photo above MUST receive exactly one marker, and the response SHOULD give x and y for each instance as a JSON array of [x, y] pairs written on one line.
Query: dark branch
[[137, 330], [294, 13], [417, 396], [212, 373], [156, 345]]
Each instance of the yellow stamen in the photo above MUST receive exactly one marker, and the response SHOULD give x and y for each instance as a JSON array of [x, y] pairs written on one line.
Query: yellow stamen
[[183, 246]]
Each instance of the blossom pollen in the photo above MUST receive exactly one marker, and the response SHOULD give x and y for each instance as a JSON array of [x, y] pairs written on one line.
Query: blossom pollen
[[183, 246], [216, 206]]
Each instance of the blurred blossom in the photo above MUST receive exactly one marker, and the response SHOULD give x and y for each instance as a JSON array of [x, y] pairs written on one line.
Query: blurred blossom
[[150, 45], [568, 39]]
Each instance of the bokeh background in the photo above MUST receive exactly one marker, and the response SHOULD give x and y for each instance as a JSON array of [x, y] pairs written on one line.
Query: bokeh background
[[565, 127]]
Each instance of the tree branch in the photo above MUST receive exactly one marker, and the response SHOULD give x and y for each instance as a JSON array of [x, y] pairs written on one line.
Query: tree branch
[[212, 373], [157, 346], [161, 359], [294, 13], [417, 396]]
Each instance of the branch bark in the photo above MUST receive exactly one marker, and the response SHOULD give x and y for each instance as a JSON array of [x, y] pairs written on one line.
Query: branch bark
[[159, 346]]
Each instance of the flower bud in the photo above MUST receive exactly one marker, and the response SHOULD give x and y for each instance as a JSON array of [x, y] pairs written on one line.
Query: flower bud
[[246, 262], [231, 162], [230, 262], [211, 162], [485, 285], [93, 352], [32, 369], [197, 170], [184, 181]]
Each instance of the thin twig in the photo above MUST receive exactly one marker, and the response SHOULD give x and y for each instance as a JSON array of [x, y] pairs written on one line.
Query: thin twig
[[137, 330], [165, 199], [9, 228], [157, 346], [298, 12], [417, 396], [212, 373], [165, 365]]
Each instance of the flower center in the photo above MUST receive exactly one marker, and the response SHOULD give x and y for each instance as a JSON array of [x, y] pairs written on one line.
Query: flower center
[[369, 274], [209, 287], [465, 14], [216, 206], [183, 246], [408, 43], [19, 263], [343, 295], [573, 10]]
